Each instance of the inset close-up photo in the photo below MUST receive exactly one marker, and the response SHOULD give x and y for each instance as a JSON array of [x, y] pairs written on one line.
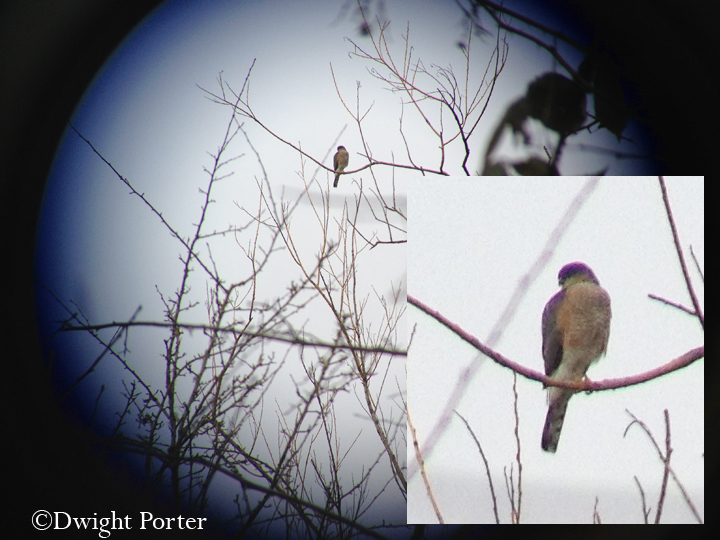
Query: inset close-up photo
[[556, 361]]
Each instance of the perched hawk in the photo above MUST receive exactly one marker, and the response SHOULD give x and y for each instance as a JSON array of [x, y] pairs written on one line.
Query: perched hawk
[[575, 329], [340, 161]]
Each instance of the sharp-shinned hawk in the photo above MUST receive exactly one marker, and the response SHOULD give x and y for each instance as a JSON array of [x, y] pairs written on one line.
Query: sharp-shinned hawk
[[340, 161], [575, 330]]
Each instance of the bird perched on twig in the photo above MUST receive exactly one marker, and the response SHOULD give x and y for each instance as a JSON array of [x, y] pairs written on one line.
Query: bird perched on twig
[[340, 161], [575, 331]]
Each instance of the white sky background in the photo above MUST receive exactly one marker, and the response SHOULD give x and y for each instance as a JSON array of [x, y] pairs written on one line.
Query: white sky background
[[467, 266], [147, 116]]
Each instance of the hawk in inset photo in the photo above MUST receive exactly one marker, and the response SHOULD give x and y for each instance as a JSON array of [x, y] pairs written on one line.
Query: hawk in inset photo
[[575, 330]]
